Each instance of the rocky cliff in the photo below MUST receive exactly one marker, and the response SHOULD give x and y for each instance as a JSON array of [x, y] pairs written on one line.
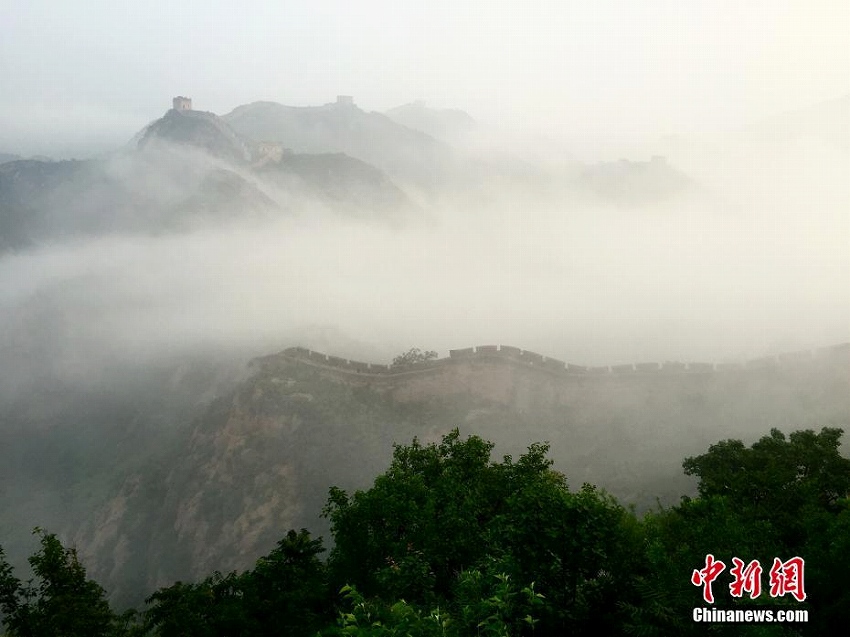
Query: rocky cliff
[[261, 459]]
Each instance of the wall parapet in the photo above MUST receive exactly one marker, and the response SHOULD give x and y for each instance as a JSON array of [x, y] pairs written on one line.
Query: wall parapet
[[528, 358]]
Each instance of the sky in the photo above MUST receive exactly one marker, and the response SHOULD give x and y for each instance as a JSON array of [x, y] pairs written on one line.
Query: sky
[[753, 260], [82, 76]]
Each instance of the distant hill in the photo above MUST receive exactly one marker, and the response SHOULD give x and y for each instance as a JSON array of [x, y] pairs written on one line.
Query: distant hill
[[344, 128], [827, 121], [448, 125], [186, 168], [4, 157], [634, 182], [340, 179], [200, 129], [150, 192]]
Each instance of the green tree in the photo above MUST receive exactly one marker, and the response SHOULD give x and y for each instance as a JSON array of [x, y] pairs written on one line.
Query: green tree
[[62, 600], [370, 618], [488, 606], [785, 482], [780, 497], [413, 356], [443, 509], [288, 590], [206, 609], [286, 593]]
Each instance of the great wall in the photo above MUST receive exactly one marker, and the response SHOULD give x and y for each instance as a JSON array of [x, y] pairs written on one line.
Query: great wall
[[514, 355]]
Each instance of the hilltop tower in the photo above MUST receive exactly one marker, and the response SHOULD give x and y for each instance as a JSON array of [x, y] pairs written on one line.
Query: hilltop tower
[[181, 103], [270, 151], [344, 100]]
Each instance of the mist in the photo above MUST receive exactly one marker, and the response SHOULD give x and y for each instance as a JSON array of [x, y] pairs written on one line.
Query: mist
[[601, 183], [751, 260]]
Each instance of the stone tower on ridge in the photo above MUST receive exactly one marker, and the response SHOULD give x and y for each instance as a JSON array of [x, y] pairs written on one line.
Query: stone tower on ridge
[[181, 103]]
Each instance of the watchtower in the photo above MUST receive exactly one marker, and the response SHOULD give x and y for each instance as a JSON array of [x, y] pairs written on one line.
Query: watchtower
[[272, 151], [181, 103]]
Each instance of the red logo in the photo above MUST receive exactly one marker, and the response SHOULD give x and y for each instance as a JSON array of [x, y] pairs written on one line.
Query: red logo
[[785, 578], [747, 579], [706, 576]]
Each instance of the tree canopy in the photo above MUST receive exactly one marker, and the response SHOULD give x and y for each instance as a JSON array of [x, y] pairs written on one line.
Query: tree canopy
[[412, 356], [63, 601], [450, 542], [442, 510]]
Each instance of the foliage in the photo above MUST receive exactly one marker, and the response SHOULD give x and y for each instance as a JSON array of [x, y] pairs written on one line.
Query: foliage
[[493, 605], [286, 591], [413, 356], [365, 618], [776, 476], [517, 518], [449, 543], [288, 588], [781, 497], [63, 601], [208, 608], [488, 607]]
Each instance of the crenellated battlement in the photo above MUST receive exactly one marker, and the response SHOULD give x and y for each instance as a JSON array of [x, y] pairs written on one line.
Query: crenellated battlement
[[526, 358]]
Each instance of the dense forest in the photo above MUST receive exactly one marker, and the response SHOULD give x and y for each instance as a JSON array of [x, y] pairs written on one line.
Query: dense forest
[[450, 542]]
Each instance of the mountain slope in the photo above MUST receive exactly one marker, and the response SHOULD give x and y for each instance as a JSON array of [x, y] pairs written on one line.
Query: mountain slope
[[634, 182], [342, 128], [341, 180], [4, 157], [162, 189], [188, 168], [448, 125], [261, 459], [828, 122], [200, 129]]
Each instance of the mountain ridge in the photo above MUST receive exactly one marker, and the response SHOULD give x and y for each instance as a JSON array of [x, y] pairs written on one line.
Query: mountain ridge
[[261, 458], [447, 124], [539, 361], [342, 127]]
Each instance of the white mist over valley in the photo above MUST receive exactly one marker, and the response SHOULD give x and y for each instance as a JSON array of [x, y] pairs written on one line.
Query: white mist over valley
[[198, 203]]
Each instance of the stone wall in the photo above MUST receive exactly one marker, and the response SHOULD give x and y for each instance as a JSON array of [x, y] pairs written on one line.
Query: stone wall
[[517, 356]]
